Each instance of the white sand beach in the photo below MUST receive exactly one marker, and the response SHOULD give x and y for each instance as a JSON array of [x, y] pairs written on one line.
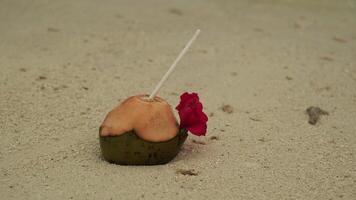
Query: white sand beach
[[65, 64]]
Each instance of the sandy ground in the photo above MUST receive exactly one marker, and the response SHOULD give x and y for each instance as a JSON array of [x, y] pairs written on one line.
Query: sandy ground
[[65, 64]]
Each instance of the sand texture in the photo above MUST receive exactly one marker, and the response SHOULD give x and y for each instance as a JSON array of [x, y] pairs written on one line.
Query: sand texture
[[257, 66]]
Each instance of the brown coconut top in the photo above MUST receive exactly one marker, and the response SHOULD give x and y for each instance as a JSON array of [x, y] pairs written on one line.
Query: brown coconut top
[[152, 120]]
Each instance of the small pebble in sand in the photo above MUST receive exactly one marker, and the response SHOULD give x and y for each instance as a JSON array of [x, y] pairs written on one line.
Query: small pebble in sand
[[214, 138], [53, 30], [60, 87], [41, 78], [198, 142], [227, 108], [211, 114], [23, 69], [176, 11], [289, 78], [255, 119], [314, 114], [340, 40], [321, 89], [189, 172], [327, 58]]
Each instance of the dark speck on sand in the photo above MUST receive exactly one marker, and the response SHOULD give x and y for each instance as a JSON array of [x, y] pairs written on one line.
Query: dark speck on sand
[[52, 30], [176, 11], [214, 138], [41, 78], [189, 172], [227, 108], [327, 58], [340, 40], [198, 142], [255, 119], [314, 114]]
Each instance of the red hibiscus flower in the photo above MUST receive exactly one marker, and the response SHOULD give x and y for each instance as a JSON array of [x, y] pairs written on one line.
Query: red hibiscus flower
[[191, 114]]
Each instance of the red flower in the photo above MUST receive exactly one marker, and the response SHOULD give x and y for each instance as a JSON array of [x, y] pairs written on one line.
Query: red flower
[[191, 114]]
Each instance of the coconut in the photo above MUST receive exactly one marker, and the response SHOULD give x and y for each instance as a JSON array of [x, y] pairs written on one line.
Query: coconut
[[140, 131]]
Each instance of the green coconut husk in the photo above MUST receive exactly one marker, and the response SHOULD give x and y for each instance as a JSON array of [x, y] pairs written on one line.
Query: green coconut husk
[[129, 149]]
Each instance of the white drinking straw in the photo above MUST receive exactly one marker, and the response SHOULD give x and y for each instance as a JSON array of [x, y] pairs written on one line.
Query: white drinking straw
[[171, 68]]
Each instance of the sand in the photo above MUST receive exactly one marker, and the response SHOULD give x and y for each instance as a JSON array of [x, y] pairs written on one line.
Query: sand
[[65, 64]]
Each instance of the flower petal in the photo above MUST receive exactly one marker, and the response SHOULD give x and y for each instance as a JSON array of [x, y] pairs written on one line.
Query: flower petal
[[199, 130], [191, 114]]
